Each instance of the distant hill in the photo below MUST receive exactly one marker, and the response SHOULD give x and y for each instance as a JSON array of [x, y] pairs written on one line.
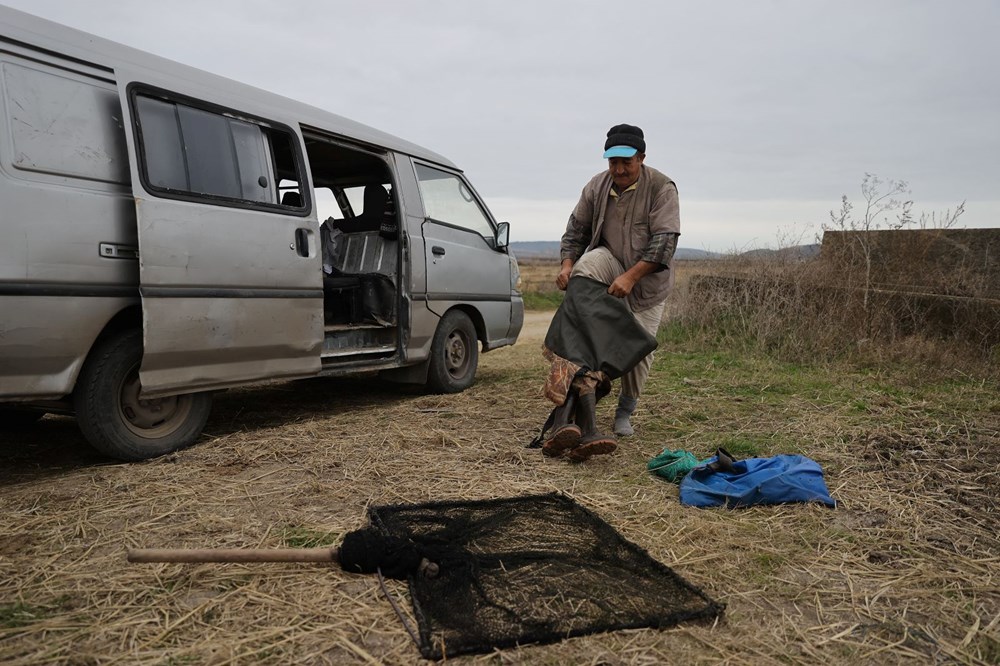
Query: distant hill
[[550, 250], [691, 254], [793, 252], [536, 249]]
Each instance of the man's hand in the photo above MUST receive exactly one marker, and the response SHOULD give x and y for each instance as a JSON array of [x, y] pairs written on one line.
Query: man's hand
[[563, 278], [624, 283], [622, 286]]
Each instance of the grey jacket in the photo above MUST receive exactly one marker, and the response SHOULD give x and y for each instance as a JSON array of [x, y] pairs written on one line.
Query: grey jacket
[[655, 211]]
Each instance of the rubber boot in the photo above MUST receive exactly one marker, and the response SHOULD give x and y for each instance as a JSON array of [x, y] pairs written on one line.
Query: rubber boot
[[592, 442], [626, 405], [565, 434], [724, 461]]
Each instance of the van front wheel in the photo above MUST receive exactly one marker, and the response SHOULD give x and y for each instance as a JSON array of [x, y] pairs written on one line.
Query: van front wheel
[[454, 354], [121, 424]]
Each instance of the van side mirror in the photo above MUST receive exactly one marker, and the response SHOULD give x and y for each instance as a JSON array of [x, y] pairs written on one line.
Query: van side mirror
[[503, 235]]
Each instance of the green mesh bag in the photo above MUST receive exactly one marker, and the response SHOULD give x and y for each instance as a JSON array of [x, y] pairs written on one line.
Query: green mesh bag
[[673, 465]]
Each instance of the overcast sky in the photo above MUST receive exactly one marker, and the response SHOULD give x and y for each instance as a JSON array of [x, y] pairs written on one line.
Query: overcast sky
[[763, 112]]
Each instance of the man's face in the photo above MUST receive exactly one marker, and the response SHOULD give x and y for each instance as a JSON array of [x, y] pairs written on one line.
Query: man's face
[[625, 170]]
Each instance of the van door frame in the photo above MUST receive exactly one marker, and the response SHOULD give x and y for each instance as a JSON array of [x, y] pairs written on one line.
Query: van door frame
[[387, 157]]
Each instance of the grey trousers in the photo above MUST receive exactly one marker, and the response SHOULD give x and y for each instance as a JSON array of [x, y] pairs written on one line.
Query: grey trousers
[[599, 264]]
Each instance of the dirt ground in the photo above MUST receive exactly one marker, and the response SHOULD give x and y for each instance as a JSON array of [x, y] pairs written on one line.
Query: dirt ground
[[884, 578]]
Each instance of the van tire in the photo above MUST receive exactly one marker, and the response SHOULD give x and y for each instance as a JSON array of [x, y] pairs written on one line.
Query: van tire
[[12, 418], [454, 354], [113, 418]]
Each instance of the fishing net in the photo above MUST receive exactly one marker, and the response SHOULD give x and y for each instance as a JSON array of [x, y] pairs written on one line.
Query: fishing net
[[533, 569]]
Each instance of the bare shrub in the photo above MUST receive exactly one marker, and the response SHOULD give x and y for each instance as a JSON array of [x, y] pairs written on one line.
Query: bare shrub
[[753, 301], [884, 285]]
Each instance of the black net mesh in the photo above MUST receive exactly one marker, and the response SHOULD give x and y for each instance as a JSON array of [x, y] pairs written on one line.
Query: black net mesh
[[531, 570]]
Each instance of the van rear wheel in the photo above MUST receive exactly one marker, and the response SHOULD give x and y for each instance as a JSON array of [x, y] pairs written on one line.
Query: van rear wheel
[[454, 354], [117, 421]]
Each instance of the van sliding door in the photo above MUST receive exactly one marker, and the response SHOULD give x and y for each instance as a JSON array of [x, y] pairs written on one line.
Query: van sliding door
[[229, 263]]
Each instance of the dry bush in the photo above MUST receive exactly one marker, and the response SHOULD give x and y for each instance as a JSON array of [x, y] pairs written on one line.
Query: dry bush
[[538, 274], [538, 282], [913, 304], [939, 282]]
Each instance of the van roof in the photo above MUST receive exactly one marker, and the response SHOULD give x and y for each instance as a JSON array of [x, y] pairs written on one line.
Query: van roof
[[105, 54]]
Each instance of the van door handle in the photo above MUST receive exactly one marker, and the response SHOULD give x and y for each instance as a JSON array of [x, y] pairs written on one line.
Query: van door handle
[[437, 251], [302, 241]]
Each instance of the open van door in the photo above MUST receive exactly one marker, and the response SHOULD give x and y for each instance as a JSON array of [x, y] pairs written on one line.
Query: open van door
[[229, 260]]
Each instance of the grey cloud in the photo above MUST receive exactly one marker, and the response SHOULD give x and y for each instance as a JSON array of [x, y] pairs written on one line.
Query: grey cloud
[[739, 100]]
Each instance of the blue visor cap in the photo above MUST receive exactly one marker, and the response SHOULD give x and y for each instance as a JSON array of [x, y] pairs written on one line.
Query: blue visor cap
[[619, 151]]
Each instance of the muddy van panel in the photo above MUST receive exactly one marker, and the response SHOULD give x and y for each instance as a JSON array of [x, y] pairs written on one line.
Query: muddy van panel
[[40, 361], [63, 197], [229, 264]]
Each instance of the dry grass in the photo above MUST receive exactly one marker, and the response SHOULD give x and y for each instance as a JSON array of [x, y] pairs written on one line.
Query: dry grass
[[905, 570]]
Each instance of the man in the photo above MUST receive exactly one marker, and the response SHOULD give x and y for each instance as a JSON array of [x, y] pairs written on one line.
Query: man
[[623, 232]]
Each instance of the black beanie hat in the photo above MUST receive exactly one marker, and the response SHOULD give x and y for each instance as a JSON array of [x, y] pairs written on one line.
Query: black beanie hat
[[626, 135]]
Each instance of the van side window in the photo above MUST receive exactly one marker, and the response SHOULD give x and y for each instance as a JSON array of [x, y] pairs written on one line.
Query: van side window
[[187, 150], [64, 124], [448, 199]]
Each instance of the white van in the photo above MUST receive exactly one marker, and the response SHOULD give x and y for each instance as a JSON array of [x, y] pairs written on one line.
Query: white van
[[165, 233]]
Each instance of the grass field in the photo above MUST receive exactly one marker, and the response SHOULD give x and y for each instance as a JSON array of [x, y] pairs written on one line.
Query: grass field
[[538, 278], [905, 570]]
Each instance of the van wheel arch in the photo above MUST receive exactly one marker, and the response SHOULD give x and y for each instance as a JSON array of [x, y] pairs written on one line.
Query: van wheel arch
[[126, 319], [113, 417], [477, 321], [454, 356]]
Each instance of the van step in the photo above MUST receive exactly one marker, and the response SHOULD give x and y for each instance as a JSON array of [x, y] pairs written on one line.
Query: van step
[[354, 340], [336, 328], [367, 351]]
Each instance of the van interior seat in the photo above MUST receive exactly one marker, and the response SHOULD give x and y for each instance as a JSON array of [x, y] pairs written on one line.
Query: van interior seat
[[363, 269], [365, 253], [293, 199], [376, 202], [354, 246]]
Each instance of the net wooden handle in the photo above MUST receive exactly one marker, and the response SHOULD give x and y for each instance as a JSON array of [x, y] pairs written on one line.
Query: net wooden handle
[[327, 554]]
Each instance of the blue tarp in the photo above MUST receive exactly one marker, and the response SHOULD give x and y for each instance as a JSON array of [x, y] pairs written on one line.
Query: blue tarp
[[777, 480]]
